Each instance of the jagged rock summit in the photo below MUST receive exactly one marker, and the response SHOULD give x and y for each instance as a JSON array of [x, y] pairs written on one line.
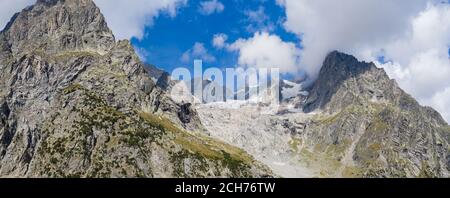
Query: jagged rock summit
[[373, 127], [54, 26], [76, 103], [356, 122]]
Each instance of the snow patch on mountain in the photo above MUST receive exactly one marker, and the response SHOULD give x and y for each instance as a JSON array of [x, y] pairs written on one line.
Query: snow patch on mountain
[[291, 90]]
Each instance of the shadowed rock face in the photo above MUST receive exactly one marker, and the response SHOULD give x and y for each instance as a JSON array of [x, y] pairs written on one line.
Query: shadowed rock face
[[76, 103], [345, 81]]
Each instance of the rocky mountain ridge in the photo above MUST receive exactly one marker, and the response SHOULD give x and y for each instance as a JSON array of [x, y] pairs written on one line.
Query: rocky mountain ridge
[[356, 122], [76, 103]]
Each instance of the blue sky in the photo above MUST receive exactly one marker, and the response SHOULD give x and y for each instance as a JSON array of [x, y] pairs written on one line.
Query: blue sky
[[169, 37]]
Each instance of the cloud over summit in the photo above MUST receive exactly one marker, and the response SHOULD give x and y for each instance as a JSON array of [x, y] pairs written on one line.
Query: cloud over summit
[[9, 7], [413, 36]]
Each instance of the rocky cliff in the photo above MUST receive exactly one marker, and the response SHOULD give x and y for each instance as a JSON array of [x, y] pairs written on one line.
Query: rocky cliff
[[373, 127], [356, 122], [76, 103]]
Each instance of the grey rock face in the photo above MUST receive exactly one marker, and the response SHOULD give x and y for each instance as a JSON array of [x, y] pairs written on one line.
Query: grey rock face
[[357, 123], [343, 81], [52, 26], [76, 103], [368, 122]]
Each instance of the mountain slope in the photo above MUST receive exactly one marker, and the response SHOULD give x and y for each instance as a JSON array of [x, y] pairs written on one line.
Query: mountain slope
[[76, 103], [370, 124], [356, 123]]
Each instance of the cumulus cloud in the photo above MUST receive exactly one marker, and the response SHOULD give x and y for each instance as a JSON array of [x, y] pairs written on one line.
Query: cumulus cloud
[[413, 36], [198, 51], [264, 50], [219, 41], [128, 19], [9, 7], [348, 25], [211, 7]]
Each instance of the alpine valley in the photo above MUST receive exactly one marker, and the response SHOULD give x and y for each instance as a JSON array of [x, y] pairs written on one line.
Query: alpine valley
[[76, 102]]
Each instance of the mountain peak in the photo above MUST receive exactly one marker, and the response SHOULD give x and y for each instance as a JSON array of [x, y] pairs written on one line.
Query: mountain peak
[[340, 73], [340, 55], [344, 65], [58, 25], [63, 78], [47, 2], [344, 81]]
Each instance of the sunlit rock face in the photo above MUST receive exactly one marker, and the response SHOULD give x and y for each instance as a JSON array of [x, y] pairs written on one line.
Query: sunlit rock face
[[76, 103]]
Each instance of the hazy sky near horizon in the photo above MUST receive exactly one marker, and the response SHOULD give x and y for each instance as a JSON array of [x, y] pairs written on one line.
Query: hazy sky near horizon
[[410, 40]]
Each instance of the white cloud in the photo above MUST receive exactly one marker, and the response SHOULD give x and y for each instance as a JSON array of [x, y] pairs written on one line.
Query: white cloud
[[267, 51], [421, 62], [413, 35], [259, 21], [211, 7], [441, 102], [128, 19], [198, 51], [427, 74], [9, 7], [219, 41]]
